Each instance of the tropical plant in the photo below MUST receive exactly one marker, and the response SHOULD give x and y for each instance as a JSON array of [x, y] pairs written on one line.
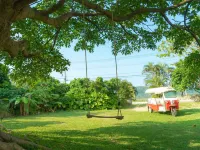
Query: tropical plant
[[49, 95], [157, 75]]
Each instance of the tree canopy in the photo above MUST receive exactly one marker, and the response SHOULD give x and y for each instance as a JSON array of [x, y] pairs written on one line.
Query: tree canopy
[[33, 31], [186, 75]]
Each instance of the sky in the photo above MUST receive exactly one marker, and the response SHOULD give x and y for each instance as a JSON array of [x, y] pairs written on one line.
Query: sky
[[101, 63]]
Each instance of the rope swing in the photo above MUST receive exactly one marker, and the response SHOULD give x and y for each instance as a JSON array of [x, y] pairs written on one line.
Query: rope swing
[[119, 113]]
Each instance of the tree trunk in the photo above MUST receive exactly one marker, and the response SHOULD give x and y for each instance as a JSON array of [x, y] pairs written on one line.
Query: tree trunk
[[182, 94], [20, 109], [9, 146], [9, 142], [23, 109], [28, 108]]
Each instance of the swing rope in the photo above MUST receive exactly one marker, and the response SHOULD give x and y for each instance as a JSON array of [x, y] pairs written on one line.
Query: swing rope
[[119, 113]]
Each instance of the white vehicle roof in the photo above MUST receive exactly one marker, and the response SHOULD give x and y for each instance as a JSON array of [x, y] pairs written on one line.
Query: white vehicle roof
[[159, 90]]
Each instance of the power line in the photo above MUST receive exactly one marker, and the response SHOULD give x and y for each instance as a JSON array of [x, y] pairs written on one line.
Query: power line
[[125, 76], [103, 75], [118, 58], [102, 67]]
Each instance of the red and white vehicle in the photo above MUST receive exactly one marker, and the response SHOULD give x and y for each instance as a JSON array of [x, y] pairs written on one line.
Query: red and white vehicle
[[165, 101]]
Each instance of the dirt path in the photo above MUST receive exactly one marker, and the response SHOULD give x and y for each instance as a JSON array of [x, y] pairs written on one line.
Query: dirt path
[[140, 109]]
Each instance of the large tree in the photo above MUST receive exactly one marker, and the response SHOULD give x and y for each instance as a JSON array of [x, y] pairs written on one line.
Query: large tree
[[187, 73], [33, 31]]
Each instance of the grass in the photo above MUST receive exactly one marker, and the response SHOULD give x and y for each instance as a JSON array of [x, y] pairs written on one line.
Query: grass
[[138, 131]]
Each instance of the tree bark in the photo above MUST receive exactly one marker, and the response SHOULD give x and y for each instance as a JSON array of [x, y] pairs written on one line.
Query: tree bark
[[10, 146], [21, 109], [12, 143]]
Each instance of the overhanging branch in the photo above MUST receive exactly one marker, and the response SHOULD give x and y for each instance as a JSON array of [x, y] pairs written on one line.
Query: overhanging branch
[[139, 11], [181, 28], [31, 13], [19, 4], [130, 34], [42, 15], [185, 14], [53, 8]]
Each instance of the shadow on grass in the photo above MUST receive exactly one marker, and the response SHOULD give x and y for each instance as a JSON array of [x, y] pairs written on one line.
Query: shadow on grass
[[185, 112], [22, 122], [182, 112], [128, 136], [143, 135], [27, 124]]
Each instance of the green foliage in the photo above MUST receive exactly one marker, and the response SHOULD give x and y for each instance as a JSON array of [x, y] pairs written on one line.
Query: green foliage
[[49, 95], [86, 94], [157, 75], [9, 93], [99, 94], [4, 79], [82, 93], [47, 59], [130, 30], [167, 49], [186, 74]]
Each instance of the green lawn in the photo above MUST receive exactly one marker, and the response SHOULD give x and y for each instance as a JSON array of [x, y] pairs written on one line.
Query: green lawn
[[139, 130]]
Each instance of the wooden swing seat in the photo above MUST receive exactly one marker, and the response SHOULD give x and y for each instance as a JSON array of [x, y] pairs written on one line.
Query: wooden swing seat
[[96, 116]]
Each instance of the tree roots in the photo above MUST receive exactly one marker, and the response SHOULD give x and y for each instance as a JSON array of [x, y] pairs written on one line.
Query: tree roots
[[9, 142]]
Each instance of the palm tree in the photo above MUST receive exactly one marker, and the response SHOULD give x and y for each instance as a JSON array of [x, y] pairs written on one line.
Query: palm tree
[[157, 75]]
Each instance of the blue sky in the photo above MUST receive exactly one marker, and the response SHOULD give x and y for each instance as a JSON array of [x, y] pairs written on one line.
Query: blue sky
[[101, 63]]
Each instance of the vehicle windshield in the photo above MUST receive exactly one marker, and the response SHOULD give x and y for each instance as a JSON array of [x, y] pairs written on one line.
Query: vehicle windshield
[[170, 94]]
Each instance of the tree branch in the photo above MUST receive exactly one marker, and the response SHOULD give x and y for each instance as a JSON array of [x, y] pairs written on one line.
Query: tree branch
[[132, 35], [31, 13], [182, 28], [56, 36], [53, 8], [139, 11], [185, 14], [94, 24], [19, 4], [168, 21]]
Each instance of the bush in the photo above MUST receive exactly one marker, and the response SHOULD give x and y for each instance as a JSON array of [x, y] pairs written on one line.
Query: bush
[[4, 104]]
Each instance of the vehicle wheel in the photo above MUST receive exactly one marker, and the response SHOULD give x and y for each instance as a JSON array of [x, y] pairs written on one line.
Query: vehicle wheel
[[174, 111], [150, 109]]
